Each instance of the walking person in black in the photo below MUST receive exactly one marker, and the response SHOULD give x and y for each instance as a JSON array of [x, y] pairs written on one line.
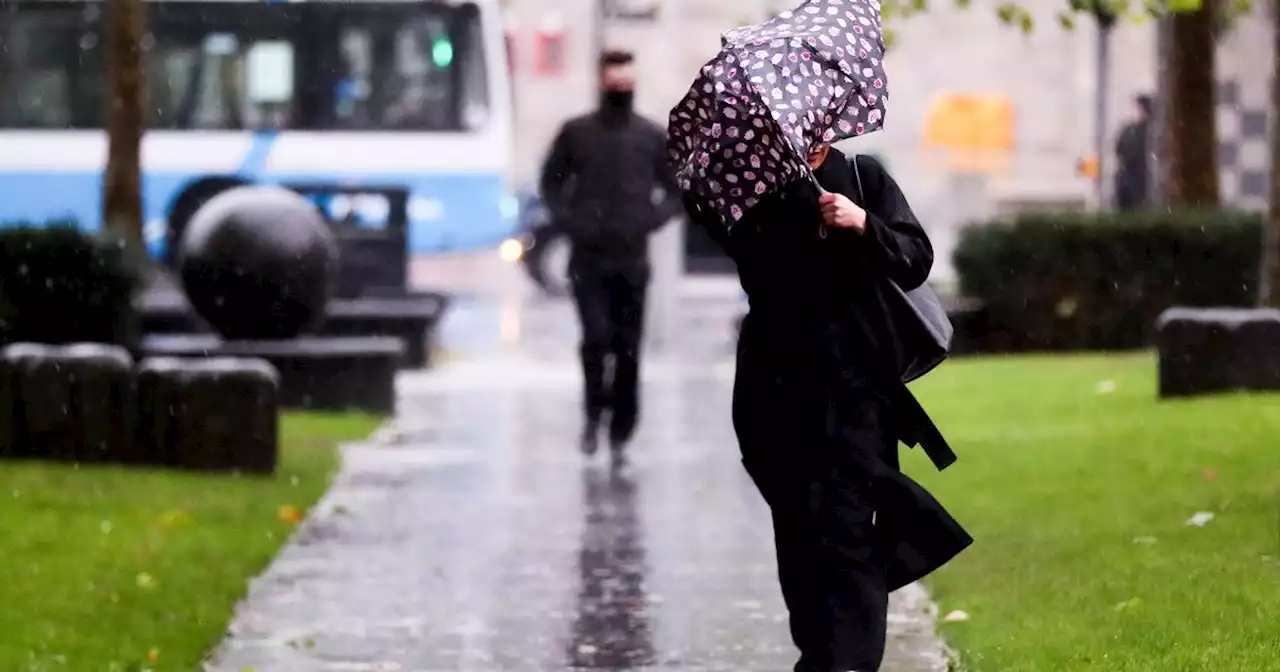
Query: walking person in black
[[1132, 167], [819, 407], [608, 188]]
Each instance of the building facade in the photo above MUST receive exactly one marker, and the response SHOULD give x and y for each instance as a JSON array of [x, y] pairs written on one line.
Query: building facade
[[952, 72]]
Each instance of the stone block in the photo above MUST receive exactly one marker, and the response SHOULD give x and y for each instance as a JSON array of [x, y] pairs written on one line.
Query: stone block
[[1209, 350], [157, 387], [219, 414], [315, 373], [13, 363], [67, 403]]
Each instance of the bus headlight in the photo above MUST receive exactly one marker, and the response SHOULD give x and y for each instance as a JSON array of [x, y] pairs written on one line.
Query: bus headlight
[[511, 250]]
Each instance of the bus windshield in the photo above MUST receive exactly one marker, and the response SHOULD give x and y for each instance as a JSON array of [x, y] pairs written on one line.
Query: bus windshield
[[220, 65]]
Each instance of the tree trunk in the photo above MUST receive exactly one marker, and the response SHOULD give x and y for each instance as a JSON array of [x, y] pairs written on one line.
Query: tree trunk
[[1270, 285], [126, 119], [1191, 131]]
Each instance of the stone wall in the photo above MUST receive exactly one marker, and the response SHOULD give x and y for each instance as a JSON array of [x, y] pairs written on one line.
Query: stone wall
[[1245, 63]]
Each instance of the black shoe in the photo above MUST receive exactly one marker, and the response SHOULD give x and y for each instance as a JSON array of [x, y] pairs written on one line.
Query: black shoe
[[618, 461], [618, 451], [620, 433], [590, 441]]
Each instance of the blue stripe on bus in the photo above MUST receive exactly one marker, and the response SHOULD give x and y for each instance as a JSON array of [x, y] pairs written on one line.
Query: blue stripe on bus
[[256, 159], [473, 214]]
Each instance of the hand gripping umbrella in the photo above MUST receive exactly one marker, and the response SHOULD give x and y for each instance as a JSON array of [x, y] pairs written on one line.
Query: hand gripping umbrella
[[811, 75]]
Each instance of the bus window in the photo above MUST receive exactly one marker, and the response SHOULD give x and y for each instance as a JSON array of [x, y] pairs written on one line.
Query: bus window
[[50, 70], [351, 99], [416, 67], [415, 76], [215, 82], [475, 75], [268, 82], [377, 66]]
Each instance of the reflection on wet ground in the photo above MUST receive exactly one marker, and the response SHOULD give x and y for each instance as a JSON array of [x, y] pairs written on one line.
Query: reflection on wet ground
[[611, 627], [471, 535]]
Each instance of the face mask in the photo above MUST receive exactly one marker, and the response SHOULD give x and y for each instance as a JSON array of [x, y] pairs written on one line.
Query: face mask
[[619, 100]]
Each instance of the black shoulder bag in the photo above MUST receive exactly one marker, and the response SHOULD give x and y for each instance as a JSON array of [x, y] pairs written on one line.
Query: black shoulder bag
[[918, 318], [925, 332]]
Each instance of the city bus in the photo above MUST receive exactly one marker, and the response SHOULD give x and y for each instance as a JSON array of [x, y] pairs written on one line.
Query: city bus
[[384, 93]]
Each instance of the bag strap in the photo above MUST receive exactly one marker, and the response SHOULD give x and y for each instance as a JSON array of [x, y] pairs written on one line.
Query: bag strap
[[857, 180]]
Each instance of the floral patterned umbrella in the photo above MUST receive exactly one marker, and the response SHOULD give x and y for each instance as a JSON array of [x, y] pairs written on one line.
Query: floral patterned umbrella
[[811, 75]]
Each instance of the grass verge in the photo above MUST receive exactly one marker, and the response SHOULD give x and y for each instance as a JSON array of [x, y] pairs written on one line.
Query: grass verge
[[112, 569], [1078, 486]]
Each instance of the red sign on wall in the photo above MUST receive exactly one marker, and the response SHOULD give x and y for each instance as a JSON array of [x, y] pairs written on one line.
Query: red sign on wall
[[549, 48]]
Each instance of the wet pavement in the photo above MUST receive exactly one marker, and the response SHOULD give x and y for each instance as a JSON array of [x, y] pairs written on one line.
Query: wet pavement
[[470, 534]]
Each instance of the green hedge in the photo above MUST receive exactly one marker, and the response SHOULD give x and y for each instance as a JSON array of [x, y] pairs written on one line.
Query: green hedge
[[61, 285], [1071, 281]]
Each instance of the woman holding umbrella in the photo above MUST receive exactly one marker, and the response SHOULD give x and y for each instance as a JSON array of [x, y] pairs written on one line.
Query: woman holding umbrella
[[825, 248]]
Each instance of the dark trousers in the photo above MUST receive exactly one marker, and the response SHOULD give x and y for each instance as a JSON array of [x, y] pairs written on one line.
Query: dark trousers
[[802, 441], [610, 299], [1131, 193]]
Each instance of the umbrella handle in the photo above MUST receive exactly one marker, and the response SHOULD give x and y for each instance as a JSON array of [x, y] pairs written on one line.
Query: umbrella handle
[[822, 227], [814, 180]]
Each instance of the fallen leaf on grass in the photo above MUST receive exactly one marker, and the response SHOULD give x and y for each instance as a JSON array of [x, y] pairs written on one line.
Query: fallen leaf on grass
[[1200, 519], [153, 655], [174, 518], [290, 514], [1210, 475], [1129, 604], [956, 616]]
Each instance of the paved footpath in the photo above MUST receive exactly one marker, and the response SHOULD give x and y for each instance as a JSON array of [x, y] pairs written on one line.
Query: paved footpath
[[470, 535]]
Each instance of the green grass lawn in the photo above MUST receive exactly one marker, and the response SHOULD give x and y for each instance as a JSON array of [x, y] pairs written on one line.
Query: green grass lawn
[[106, 568], [1077, 485]]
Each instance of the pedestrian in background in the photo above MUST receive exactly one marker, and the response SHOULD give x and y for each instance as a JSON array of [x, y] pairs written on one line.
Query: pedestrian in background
[[608, 187], [1132, 167]]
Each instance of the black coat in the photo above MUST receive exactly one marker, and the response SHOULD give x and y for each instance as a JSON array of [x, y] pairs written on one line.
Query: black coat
[[818, 350], [1131, 176], [600, 182]]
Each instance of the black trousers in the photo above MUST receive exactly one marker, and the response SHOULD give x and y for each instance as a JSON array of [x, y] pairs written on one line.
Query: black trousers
[[611, 299], [803, 442]]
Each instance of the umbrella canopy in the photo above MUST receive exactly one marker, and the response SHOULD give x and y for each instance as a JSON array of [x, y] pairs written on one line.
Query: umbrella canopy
[[811, 75]]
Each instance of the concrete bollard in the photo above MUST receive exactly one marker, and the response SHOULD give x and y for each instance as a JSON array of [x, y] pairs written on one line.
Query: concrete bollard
[[68, 403], [217, 414]]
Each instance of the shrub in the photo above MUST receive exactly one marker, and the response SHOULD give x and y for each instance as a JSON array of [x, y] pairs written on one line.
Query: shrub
[[1071, 281], [61, 285]]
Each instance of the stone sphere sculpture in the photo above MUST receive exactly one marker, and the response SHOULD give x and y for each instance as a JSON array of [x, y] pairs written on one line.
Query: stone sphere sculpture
[[257, 263]]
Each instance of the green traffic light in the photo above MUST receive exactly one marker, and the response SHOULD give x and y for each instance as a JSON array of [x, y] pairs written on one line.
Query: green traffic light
[[442, 53]]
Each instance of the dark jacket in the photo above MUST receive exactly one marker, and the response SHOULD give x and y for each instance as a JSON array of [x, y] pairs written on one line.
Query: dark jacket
[[1132, 172], [607, 184], [819, 329]]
